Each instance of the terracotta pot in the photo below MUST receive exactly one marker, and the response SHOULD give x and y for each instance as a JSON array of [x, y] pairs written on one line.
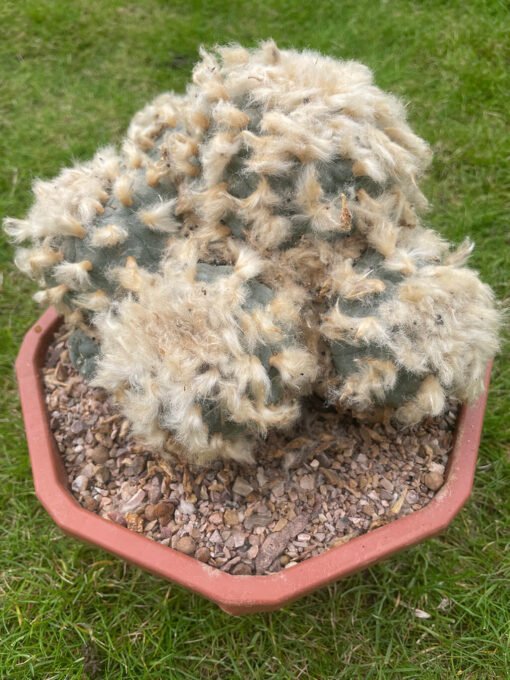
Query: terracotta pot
[[234, 594]]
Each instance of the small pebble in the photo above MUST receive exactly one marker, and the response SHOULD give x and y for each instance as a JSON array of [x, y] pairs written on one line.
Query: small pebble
[[186, 507], [281, 524], [215, 537], [242, 487], [278, 489], [134, 522], [88, 470], [98, 455], [164, 510], [103, 475], [433, 480], [252, 552], [259, 519], [77, 426], [154, 492], [307, 482], [231, 518], [117, 517], [80, 483], [386, 484], [203, 554], [134, 502], [186, 545]]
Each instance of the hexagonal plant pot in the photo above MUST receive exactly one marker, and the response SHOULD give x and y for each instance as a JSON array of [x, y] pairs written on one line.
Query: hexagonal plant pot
[[234, 594]]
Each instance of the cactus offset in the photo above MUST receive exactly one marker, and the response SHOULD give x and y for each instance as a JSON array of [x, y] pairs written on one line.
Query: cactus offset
[[206, 352], [409, 340], [255, 239]]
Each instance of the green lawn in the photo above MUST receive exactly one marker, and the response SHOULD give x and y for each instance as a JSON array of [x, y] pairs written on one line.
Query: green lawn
[[72, 74]]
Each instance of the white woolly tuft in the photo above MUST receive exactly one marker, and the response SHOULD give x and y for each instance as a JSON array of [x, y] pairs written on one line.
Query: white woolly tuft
[[297, 367], [160, 216], [51, 296], [123, 189], [95, 302], [75, 275], [34, 261], [17, 230], [108, 236]]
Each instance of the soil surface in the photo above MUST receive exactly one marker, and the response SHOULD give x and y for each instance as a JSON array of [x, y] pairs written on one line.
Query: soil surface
[[330, 479]]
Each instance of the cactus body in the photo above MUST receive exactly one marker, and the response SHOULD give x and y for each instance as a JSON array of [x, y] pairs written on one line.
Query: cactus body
[[255, 239]]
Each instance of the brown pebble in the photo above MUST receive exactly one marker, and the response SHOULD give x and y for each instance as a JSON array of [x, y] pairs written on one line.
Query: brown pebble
[[164, 509], [323, 459], [252, 552], [368, 509], [98, 455], [231, 518], [90, 503], [203, 554], [149, 512], [281, 524], [103, 475], [134, 522], [331, 476], [386, 484], [242, 487], [186, 545], [298, 443], [433, 480], [154, 490]]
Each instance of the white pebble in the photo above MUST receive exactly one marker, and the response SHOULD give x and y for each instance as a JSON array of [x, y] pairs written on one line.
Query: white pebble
[[80, 484], [134, 502], [186, 507]]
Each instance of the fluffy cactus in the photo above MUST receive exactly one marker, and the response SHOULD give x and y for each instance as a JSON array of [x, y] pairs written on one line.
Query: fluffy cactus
[[422, 336], [206, 352], [255, 239]]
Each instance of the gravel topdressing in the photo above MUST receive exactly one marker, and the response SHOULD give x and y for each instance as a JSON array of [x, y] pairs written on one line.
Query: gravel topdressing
[[329, 480]]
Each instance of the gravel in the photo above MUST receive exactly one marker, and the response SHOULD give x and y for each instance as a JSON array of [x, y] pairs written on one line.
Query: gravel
[[330, 480]]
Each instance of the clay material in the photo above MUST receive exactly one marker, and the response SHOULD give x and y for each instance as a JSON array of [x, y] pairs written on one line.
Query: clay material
[[235, 594]]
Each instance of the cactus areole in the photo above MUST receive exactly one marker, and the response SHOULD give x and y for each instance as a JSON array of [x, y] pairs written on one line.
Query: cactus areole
[[255, 240]]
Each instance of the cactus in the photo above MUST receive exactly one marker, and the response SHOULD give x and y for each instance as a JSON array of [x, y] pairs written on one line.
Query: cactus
[[256, 239], [409, 340], [206, 352]]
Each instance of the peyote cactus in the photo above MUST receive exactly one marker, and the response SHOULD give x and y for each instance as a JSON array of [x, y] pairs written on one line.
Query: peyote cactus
[[257, 239]]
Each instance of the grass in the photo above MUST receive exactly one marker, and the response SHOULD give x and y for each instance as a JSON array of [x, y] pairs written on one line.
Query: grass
[[73, 73]]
